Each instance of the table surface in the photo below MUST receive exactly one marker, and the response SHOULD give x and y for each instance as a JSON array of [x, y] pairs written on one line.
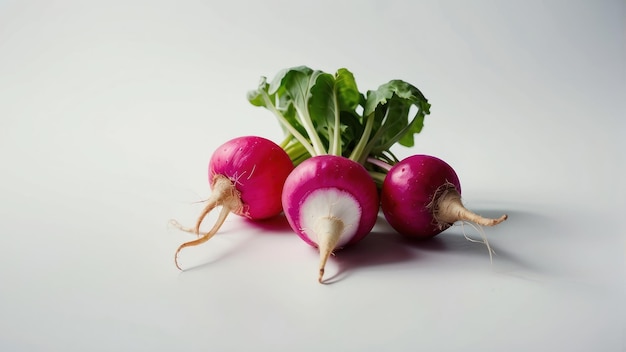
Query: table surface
[[109, 112]]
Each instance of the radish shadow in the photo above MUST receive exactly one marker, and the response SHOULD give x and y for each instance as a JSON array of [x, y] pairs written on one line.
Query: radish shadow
[[523, 239], [386, 247], [274, 225], [377, 249], [453, 240], [229, 246]]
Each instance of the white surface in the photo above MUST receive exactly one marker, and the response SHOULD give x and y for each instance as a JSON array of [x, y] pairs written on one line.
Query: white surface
[[110, 110]]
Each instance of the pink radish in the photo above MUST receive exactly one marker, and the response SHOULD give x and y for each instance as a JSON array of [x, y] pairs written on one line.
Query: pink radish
[[330, 202], [246, 175], [421, 197]]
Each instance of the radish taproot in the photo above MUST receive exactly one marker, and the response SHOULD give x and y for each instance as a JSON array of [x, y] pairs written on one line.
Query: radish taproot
[[246, 176], [330, 202], [421, 197]]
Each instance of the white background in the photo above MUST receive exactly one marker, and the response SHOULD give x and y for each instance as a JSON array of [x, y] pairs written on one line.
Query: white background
[[109, 112]]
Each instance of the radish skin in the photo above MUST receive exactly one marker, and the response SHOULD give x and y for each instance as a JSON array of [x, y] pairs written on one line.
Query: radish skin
[[421, 197], [246, 176], [330, 202]]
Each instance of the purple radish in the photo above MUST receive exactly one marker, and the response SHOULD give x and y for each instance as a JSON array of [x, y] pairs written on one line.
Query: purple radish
[[330, 202], [421, 197], [246, 175]]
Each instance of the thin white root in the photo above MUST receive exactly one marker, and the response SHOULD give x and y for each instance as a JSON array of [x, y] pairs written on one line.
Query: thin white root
[[191, 230], [482, 233], [180, 227]]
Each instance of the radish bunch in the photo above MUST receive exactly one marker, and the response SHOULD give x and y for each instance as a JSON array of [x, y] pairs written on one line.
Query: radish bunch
[[334, 171]]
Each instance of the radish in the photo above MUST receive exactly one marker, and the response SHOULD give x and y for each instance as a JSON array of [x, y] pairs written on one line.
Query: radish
[[421, 197], [330, 202], [246, 175]]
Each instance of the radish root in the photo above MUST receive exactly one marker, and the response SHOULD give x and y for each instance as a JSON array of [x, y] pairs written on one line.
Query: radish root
[[225, 195], [482, 233], [328, 231], [448, 208]]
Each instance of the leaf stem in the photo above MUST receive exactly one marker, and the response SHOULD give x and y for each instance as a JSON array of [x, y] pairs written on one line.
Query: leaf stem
[[372, 141], [270, 105], [378, 177], [381, 164], [357, 152], [336, 142], [419, 115], [316, 142]]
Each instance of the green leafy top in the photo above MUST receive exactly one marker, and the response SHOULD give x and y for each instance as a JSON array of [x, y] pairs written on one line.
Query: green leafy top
[[319, 114]]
